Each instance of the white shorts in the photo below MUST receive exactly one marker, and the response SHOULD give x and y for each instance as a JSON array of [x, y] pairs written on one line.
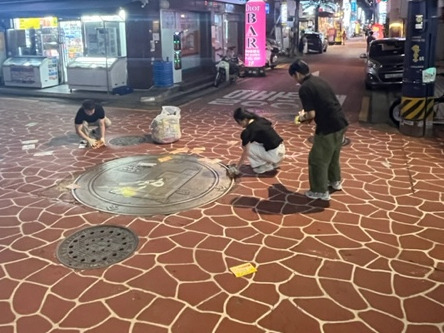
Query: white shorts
[[257, 155]]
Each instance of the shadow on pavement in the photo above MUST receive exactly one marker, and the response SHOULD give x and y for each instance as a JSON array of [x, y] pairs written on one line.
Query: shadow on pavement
[[282, 201]]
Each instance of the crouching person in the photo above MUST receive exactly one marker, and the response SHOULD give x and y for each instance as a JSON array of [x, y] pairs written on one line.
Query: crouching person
[[91, 123], [261, 144]]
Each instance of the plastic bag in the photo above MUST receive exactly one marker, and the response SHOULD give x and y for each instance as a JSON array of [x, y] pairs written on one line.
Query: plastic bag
[[165, 128]]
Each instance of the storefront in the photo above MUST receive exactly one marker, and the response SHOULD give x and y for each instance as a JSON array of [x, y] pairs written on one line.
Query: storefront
[[184, 33], [85, 35], [206, 31], [42, 38], [33, 42]]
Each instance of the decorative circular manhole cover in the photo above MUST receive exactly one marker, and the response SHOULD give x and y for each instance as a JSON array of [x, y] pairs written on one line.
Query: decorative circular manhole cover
[[129, 140], [97, 247], [152, 184], [345, 141]]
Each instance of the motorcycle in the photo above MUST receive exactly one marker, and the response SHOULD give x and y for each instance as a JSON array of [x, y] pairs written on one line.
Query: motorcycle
[[272, 51], [229, 68]]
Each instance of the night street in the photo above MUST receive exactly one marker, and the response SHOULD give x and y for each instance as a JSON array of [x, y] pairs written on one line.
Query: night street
[[371, 260]]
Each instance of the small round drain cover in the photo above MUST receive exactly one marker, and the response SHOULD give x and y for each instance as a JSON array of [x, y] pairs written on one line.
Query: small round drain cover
[[129, 140], [97, 247], [345, 141]]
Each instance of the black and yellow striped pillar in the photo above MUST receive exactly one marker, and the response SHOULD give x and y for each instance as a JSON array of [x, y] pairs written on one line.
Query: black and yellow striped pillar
[[416, 115], [416, 108], [417, 95]]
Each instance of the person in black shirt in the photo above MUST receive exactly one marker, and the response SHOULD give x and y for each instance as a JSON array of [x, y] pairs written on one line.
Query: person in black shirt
[[261, 145], [91, 114], [370, 38], [320, 104], [302, 42]]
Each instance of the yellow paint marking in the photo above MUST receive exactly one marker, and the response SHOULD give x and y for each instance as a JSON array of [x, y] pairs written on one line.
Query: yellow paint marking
[[127, 192], [164, 159], [365, 107]]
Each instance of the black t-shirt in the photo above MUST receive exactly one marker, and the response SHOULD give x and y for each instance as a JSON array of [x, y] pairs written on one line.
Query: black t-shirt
[[261, 131], [81, 116], [317, 95]]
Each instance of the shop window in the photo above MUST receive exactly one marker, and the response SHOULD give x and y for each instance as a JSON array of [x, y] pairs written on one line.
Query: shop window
[[188, 24]]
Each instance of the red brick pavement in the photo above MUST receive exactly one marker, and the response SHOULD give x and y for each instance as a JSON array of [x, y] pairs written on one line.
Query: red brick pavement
[[371, 260]]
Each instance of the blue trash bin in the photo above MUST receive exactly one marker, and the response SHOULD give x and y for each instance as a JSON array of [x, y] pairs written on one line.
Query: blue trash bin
[[163, 73]]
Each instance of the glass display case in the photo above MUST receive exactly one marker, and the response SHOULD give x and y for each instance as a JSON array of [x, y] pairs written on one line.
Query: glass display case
[[97, 73], [31, 71]]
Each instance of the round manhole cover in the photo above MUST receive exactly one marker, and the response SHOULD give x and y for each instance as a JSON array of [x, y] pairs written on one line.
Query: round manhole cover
[[152, 184], [345, 141], [97, 247], [129, 140]]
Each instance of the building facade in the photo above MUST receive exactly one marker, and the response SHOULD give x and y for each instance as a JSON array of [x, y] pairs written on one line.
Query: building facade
[[93, 34]]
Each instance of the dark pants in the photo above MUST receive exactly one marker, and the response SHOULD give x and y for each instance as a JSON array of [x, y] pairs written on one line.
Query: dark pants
[[323, 160]]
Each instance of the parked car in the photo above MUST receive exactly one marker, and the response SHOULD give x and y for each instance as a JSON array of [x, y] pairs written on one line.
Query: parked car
[[385, 63], [316, 42]]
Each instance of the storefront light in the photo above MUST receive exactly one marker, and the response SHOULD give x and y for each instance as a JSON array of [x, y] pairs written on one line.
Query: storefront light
[[122, 14], [284, 13], [94, 18], [97, 18]]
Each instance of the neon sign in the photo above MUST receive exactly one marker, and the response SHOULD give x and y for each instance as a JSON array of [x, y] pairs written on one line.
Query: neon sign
[[255, 41]]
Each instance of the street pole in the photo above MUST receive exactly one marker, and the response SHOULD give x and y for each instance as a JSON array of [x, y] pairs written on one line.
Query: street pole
[[417, 96]]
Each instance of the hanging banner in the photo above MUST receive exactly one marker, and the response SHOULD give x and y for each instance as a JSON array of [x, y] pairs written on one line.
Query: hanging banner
[[255, 34]]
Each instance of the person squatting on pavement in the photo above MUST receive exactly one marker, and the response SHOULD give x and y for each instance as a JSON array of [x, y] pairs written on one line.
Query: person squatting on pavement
[[320, 104], [261, 144], [91, 114]]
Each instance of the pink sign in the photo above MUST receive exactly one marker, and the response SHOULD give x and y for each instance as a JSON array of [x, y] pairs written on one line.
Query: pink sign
[[255, 39]]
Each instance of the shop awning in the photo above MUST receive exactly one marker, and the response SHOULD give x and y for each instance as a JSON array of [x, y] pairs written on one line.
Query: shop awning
[[60, 8]]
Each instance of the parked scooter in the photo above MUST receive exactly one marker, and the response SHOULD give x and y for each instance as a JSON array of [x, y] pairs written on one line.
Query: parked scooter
[[272, 51], [229, 68]]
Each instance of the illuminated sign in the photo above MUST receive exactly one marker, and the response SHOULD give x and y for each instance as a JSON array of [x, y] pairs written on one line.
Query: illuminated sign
[[255, 39], [35, 23], [235, 2]]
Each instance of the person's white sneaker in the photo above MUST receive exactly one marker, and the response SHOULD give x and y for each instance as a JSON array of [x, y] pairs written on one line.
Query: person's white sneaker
[[318, 195], [263, 168], [337, 186]]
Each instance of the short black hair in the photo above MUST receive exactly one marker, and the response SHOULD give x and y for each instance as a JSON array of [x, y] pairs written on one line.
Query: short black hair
[[370, 32], [299, 66], [88, 104], [241, 113]]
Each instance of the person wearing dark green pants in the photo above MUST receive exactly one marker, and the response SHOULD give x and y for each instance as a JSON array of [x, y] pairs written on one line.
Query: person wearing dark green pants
[[320, 104]]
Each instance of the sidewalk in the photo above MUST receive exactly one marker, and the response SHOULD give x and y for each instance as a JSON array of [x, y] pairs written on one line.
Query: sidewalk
[[369, 261], [155, 96]]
